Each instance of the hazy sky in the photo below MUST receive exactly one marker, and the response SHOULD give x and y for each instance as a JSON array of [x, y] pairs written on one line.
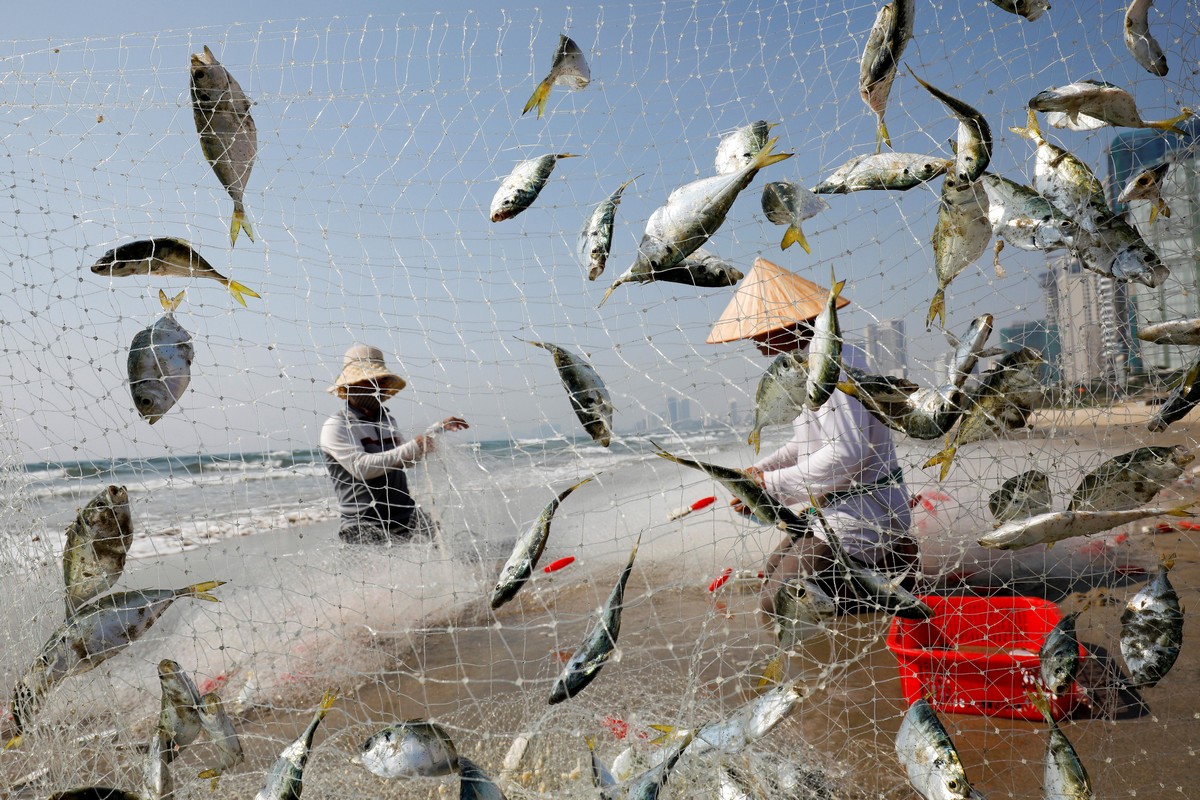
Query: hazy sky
[[382, 138]]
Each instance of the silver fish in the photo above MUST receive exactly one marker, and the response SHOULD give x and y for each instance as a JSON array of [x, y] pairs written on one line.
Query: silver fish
[[285, 781], [1022, 496], [228, 136], [1117, 250], [969, 349], [474, 783], [825, 351], [523, 185], [569, 69], [219, 727], [973, 151], [801, 608], [746, 725], [1029, 9], [1088, 105], [1142, 46], [903, 405], [97, 544], [1152, 629], [1180, 402], [779, 397], [96, 632], [1175, 331], [1023, 218], [1064, 180], [874, 588], [589, 397], [961, 235], [1147, 185], [160, 363], [896, 171], [693, 213], [928, 756], [790, 204], [1065, 776], [409, 749], [1059, 656], [167, 256], [650, 783], [602, 777], [700, 268], [889, 35], [595, 240], [1054, 527], [586, 662], [527, 551], [179, 718], [156, 775], [1131, 479], [739, 148], [734, 785]]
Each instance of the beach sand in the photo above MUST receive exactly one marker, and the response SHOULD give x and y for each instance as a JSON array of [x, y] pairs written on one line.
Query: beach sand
[[687, 656]]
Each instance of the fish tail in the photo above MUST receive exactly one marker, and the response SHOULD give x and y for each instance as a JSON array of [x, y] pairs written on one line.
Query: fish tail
[[1038, 701], [765, 158], [793, 235], [327, 701], [1182, 511], [14, 742], [666, 733], [772, 672], [755, 438], [624, 185], [1172, 123], [881, 135], [836, 290], [239, 223], [945, 458], [539, 97], [238, 290], [937, 309], [200, 591], [569, 155], [169, 304], [607, 293], [848, 388], [1031, 130], [1168, 560]]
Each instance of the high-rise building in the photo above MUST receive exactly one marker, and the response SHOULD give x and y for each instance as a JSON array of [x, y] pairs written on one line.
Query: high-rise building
[[1080, 318], [672, 410], [685, 410], [886, 347]]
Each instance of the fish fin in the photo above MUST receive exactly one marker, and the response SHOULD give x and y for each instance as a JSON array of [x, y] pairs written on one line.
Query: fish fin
[[238, 290], [765, 158], [209, 53], [1031, 130], [568, 155], [1182, 511], [945, 458], [169, 304], [755, 438], [1172, 123], [239, 223], [882, 137], [667, 733], [1168, 560], [1153, 212], [772, 672], [539, 97], [793, 235], [200, 590], [14, 742], [1038, 701], [327, 701], [937, 309], [607, 293], [848, 388]]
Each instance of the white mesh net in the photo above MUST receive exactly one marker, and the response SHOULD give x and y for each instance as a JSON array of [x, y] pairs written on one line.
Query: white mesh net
[[381, 140]]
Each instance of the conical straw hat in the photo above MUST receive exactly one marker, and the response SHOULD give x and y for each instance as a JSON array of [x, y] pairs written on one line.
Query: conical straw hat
[[770, 298], [363, 363]]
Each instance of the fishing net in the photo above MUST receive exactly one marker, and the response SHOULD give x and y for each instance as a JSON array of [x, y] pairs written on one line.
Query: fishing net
[[381, 140]]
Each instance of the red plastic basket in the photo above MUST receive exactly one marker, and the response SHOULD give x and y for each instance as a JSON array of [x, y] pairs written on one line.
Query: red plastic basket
[[979, 655]]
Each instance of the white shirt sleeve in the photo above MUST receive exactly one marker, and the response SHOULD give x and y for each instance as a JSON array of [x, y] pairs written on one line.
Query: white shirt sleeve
[[339, 441], [838, 451]]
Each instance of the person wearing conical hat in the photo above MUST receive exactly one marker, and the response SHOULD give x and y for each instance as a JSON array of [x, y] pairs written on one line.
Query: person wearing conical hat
[[366, 456], [838, 454]]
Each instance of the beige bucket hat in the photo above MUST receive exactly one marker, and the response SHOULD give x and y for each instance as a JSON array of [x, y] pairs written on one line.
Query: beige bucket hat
[[364, 363], [769, 299]]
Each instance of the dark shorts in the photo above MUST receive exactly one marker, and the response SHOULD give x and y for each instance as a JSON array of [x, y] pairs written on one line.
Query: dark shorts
[[420, 526]]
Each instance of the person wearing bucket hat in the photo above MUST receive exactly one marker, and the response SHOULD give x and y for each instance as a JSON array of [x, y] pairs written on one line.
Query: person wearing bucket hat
[[838, 454], [366, 456]]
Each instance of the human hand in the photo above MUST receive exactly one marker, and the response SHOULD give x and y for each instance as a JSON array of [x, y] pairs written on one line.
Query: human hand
[[449, 425], [755, 474]]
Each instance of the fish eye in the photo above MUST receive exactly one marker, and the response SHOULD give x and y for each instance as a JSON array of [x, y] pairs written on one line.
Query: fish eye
[[952, 785], [197, 74], [144, 402]]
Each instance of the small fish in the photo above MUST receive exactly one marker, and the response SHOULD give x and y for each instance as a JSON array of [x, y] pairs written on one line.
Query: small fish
[[219, 727], [160, 363], [895, 171], [1152, 629], [779, 397], [1088, 105], [928, 756], [790, 204], [588, 394], [410, 749], [97, 544], [1054, 527], [167, 256], [1180, 402], [765, 508], [1029, 9], [739, 148], [973, 151], [889, 35], [693, 213], [1021, 496], [523, 185], [595, 240], [474, 783], [825, 350], [569, 69], [969, 349], [1065, 777], [1131, 479], [598, 646], [650, 783], [879, 590], [701, 268], [1175, 331], [735, 785], [228, 136], [1147, 185], [903, 405], [285, 781], [1059, 656], [1004, 400], [179, 718], [961, 235], [1023, 218], [801, 608], [1064, 180], [1142, 46], [95, 633], [1118, 251], [527, 551], [156, 774], [602, 777], [746, 725]]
